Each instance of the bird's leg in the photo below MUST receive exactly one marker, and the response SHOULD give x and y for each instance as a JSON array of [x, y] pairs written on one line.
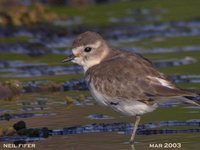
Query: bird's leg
[[137, 120], [132, 147]]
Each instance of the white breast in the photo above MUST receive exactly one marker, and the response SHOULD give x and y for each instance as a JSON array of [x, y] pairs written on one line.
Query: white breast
[[100, 98]]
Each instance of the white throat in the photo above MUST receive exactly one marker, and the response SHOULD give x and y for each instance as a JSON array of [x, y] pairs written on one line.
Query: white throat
[[89, 64]]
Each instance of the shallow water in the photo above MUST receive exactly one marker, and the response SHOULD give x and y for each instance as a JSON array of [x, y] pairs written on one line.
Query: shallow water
[[79, 125], [71, 119]]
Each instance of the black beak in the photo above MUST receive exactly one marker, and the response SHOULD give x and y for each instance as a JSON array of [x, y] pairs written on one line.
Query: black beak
[[69, 58]]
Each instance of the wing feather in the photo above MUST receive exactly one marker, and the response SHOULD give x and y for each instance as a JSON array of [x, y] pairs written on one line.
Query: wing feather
[[129, 76]]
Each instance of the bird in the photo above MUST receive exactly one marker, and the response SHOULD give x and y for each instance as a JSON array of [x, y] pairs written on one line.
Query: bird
[[125, 81]]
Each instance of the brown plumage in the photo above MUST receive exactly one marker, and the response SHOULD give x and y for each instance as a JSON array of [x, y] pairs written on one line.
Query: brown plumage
[[125, 75], [122, 80], [81, 40]]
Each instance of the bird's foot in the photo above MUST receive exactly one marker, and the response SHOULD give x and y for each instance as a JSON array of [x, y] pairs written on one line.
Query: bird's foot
[[132, 142]]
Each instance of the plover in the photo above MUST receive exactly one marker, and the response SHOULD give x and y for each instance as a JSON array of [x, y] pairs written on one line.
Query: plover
[[124, 81]]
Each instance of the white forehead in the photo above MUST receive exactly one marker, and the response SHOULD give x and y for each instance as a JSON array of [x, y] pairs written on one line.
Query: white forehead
[[94, 45]]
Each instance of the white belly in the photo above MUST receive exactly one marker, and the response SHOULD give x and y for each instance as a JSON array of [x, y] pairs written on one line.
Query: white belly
[[133, 108], [127, 107]]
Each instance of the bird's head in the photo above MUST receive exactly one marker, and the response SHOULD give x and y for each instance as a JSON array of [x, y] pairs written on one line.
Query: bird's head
[[88, 49]]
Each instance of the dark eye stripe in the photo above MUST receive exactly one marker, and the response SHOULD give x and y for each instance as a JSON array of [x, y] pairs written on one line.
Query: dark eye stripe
[[87, 49]]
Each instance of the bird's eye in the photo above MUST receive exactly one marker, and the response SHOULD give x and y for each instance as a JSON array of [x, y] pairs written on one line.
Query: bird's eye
[[87, 49]]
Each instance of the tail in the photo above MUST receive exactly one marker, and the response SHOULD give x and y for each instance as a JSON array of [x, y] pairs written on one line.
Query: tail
[[193, 99]]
